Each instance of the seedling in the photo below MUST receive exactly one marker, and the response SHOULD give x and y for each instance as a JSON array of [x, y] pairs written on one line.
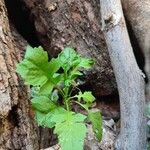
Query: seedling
[[53, 83]]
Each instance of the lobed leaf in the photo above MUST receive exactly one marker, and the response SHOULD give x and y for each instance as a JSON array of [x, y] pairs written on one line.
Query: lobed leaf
[[45, 119], [36, 70], [86, 96], [71, 131], [68, 58], [86, 63], [42, 104]]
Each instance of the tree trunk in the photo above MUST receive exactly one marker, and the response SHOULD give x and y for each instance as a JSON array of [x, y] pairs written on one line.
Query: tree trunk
[[137, 12], [61, 23], [17, 130], [128, 76]]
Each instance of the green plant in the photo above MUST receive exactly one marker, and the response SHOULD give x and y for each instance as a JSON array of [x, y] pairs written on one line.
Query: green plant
[[53, 83]]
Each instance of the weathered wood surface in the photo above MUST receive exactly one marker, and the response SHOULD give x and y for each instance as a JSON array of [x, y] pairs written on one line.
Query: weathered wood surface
[[137, 12], [128, 76], [17, 130], [61, 23]]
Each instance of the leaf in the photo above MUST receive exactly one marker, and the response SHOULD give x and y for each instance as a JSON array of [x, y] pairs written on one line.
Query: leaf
[[86, 63], [96, 120], [68, 58], [45, 120], [47, 88], [86, 96], [71, 132], [54, 66], [38, 52], [32, 74], [74, 74], [42, 104], [61, 117], [36, 70], [34, 66]]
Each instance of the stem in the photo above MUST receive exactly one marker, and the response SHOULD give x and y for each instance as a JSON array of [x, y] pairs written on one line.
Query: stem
[[67, 104], [61, 91], [66, 99], [64, 95], [82, 105]]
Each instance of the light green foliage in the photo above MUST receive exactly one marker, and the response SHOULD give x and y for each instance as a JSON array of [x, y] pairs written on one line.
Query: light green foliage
[[86, 96], [96, 119], [36, 70], [42, 104], [49, 86], [71, 131]]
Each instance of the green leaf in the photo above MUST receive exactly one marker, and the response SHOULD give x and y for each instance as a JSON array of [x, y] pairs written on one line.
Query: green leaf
[[54, 66], [74, 74], [42, 104], [68, 58], [96, 120], [68, 115], [36, 70], [38, 52], [71, 131], [86, 63], [31, 68], [31, 73], [47, 88], [45, 119], [86, 96]]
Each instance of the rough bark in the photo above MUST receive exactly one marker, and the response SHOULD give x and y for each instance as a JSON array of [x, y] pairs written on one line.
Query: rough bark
[[128, 76], [17, 130], [147, 64], [61, 23], [137, 12]]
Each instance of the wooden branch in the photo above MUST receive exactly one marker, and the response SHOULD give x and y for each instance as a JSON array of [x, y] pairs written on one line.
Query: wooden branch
[[129, 77]]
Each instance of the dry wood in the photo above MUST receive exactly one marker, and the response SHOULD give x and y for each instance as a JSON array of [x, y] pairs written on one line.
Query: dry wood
[[17, 130], [75, 23], [128, 76]]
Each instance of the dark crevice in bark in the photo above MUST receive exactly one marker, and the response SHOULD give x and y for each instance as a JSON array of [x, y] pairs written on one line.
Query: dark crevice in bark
[[138, 52], [19, 15], [13, 116]]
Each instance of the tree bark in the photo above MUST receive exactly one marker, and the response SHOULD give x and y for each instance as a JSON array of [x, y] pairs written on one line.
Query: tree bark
[[61, 23], [128, 76], [137, 12], [17, 130]]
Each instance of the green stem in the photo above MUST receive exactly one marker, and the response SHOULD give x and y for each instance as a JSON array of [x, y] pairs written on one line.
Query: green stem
[[66, 99], [67, 105], [74, 87], [61, 91], [82, 105]]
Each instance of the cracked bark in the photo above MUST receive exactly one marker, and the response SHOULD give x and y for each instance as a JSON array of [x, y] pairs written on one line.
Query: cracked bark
[[17, 130], [61, 23], [128, 76]]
